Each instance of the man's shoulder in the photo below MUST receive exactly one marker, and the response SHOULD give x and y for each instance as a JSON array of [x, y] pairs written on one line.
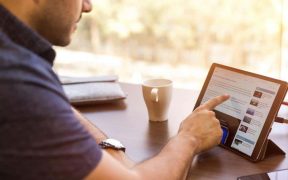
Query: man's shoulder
[[12, 52], [21, 70], [16, 60]]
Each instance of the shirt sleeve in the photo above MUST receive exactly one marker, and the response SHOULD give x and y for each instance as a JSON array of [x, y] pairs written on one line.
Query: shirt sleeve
[[40, 138]]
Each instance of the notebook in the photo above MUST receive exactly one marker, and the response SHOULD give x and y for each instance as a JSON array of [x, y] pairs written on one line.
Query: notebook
[[92, 90]]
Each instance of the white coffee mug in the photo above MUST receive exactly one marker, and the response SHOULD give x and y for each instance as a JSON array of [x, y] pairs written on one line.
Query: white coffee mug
[[157, 95]]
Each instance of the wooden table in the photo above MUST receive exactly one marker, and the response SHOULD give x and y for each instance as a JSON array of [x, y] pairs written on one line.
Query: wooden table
[[128, 122]]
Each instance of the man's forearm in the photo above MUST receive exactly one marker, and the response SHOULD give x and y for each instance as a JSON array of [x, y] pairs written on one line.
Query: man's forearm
[[100, 136], [175, 158], [172, 163]]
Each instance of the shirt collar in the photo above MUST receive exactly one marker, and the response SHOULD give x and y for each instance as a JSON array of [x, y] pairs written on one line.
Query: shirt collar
[[22, 35]]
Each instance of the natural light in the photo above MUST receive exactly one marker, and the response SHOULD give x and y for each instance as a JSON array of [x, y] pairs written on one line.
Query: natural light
[[178, 39]]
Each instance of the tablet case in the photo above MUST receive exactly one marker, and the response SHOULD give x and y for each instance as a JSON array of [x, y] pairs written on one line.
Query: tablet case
[[270, 149], [92, 90]]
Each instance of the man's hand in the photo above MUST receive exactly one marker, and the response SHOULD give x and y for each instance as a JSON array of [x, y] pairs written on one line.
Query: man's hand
[[202, 126]]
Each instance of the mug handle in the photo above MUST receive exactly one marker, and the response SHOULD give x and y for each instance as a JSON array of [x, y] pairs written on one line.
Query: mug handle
[[154, 95]]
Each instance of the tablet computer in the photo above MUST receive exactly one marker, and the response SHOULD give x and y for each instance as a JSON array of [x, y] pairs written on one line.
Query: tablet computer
[[246, 118]]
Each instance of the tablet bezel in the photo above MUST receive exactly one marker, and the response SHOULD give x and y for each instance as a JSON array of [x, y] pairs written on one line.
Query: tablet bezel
[[256, 155]]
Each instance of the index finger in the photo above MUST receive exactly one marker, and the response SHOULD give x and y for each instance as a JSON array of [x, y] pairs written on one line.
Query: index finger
[[212, 103]]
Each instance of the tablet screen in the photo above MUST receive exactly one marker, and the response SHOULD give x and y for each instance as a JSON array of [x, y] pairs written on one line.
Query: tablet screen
[[244, 115]]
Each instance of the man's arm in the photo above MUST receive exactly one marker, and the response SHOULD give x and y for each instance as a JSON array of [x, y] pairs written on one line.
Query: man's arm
[[172, 162], [198, 132], [100, 136]]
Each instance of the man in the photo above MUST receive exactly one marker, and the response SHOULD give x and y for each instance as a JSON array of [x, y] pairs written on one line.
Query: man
[[41, 136]]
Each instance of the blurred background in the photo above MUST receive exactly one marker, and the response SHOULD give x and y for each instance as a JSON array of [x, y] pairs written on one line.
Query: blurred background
[[178, 39]]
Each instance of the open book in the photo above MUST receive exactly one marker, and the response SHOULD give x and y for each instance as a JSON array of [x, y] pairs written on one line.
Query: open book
[[92, 90]]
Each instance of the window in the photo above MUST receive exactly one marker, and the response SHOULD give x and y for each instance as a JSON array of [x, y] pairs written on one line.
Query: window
[[178, 39]]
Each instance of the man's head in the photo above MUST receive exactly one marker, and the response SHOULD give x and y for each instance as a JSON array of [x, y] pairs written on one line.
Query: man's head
[[55, 20]]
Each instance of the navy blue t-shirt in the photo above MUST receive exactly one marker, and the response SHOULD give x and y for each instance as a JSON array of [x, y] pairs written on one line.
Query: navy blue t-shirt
[[40, 138]]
